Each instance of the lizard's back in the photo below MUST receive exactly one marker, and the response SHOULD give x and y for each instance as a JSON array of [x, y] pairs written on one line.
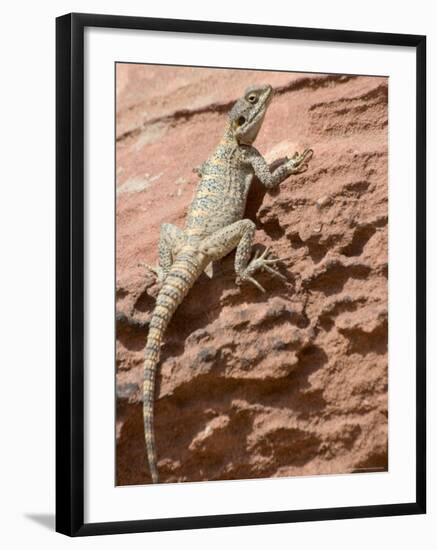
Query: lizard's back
[[221, 193]]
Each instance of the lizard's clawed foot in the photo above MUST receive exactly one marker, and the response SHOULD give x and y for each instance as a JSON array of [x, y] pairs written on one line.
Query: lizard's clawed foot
[[156, 270], [260, 262], [299, 162]]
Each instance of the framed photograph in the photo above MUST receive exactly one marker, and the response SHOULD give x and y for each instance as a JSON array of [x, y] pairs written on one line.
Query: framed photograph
[[240, 274]]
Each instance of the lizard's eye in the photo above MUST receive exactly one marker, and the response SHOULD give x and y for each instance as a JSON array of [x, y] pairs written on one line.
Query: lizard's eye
[[241, 120], [252, 98]]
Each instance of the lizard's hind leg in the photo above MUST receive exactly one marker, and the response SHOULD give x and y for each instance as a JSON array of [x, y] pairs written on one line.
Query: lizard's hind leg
[[239, 235], [263, 262], [171, 239]]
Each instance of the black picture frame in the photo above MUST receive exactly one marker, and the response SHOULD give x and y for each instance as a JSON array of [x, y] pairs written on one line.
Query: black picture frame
[[70, 273]]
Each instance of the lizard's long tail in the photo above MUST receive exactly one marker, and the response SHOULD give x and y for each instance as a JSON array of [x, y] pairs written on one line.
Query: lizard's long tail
[[183, 273]]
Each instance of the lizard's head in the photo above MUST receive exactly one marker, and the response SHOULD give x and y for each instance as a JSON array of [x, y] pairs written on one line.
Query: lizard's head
[[248, 113]]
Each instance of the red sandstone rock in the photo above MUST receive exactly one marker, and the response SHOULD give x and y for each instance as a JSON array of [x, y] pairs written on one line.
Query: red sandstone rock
[[291, 382]]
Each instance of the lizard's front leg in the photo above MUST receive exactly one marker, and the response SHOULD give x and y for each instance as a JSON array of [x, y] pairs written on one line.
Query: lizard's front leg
[[296, 165], [171, 239], [239, 235]]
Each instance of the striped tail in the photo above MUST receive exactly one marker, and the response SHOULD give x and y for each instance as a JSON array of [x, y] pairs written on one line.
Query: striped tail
[[183, 274]]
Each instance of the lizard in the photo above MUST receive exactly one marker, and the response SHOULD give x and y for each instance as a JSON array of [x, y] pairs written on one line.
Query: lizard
[[215, 226]]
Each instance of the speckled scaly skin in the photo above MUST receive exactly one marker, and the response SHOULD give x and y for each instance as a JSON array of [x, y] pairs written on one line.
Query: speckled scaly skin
[[215, 226]]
